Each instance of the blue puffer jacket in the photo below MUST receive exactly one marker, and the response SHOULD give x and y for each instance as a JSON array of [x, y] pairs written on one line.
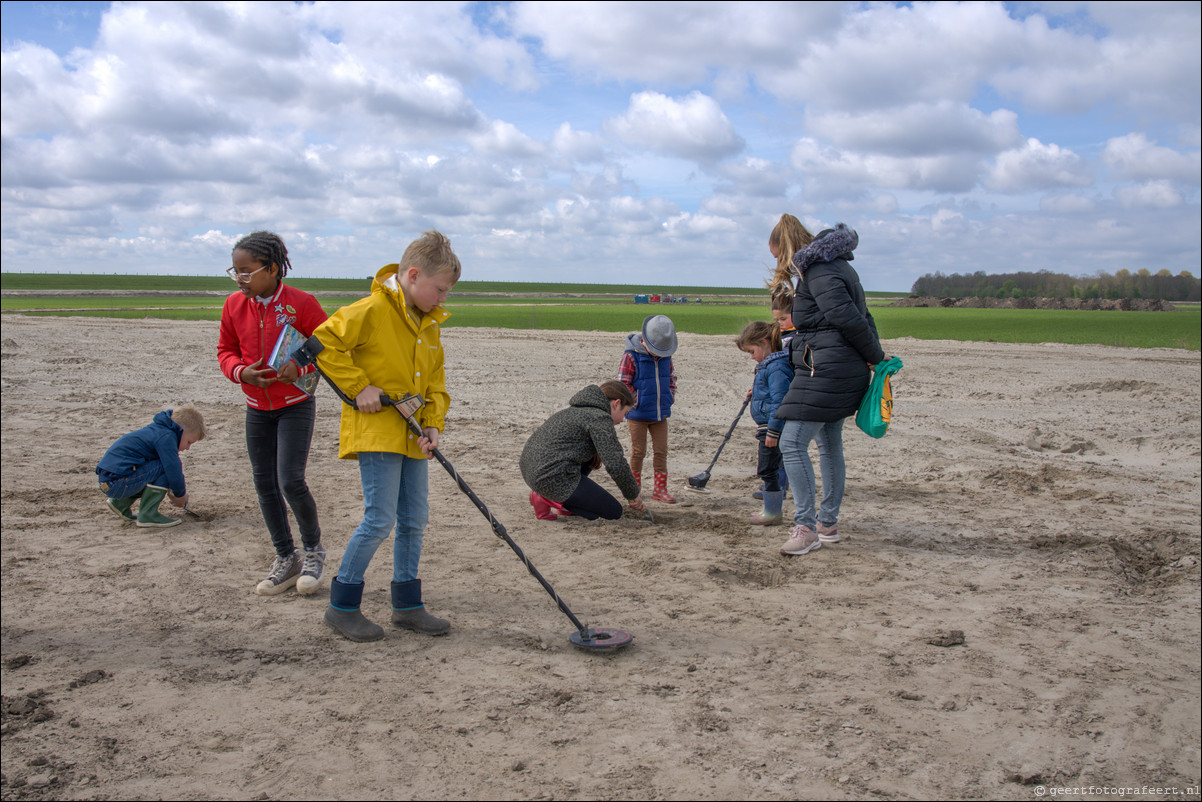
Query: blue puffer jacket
[[158, 441], [772, 379]]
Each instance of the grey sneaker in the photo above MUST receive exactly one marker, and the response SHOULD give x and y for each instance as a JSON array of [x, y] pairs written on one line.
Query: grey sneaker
[[310, 574], [284, 572], [828, 534], [802, 540]]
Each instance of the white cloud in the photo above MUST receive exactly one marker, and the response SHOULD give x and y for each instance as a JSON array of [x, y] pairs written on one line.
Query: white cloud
[[546, 136], [1151, 194], [674, 43], [1067, 205], [504, 138], [1134, 157], [1037, 166], [580, 146], [919, 129], [838, 173], [693, 127]]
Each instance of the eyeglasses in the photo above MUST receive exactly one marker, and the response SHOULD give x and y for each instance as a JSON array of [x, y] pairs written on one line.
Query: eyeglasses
[[242, 278]]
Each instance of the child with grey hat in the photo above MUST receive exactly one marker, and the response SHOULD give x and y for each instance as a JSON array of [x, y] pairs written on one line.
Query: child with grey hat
[[647, 370]]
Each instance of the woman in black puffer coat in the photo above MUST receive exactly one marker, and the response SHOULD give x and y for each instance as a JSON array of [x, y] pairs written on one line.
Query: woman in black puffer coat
[[835, 343]]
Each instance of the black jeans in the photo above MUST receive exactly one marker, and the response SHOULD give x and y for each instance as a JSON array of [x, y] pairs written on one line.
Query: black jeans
[[591, 501], [278, 444]]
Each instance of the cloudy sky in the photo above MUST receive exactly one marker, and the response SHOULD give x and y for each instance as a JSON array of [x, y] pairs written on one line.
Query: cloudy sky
[[615, 142]]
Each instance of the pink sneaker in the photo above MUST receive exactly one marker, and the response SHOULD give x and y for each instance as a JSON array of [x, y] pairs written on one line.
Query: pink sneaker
[[802, 540], [828, 534], [542, 507]]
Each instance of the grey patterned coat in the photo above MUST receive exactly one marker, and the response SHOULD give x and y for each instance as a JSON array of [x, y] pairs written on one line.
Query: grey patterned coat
[[570, 438]]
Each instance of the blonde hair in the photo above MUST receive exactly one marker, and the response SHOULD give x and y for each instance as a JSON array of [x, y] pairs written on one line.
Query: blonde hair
[[616, 391], [190, 420], [782, 299], [757, 331], [431, 253], [787, 238]]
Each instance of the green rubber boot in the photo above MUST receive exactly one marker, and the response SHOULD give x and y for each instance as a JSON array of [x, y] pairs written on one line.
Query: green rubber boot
[[148, 510], [771, 515], [120, 508]]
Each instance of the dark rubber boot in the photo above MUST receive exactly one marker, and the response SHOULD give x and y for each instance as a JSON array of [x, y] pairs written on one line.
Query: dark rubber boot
[[120, 508], [343, 614], [408, 612], [148, 510]]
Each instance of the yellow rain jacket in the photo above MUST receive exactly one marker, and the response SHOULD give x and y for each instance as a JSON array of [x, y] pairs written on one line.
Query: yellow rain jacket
[[376, 341]]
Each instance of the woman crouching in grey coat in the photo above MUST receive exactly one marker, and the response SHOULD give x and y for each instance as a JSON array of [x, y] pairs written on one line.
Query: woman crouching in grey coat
[[560, 454]]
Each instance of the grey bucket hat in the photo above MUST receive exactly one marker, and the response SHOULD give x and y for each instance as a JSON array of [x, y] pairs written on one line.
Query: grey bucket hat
[[659, 336]]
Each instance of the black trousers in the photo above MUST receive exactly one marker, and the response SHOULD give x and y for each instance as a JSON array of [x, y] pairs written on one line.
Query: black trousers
[[277, 442], [768, 467], [591, 501]]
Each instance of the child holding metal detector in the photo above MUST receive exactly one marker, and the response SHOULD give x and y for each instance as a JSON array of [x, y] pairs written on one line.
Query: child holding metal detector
[[388, 344], [647, 370], [782, 313], [280, 411], [561, 453], [773, 375]]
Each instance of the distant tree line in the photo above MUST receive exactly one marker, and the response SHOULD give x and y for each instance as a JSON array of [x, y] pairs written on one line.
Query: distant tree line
[[1142, 283]]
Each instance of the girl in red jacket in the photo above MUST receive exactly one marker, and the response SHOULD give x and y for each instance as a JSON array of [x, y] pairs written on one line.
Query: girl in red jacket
[[279, 414]]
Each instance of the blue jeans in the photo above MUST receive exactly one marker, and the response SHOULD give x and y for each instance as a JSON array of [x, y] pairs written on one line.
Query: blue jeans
[[130, 485], [794, 447], [394, 491]]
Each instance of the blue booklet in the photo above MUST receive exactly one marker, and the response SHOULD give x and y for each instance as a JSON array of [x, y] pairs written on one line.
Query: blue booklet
[[290, 339]]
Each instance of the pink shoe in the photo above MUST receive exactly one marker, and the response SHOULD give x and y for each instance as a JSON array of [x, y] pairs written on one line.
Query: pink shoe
[[802, 540], [542, 507], [828, 534]]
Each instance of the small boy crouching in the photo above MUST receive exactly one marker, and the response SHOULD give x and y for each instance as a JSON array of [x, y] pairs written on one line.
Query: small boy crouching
[[389, 344], [145, 465]]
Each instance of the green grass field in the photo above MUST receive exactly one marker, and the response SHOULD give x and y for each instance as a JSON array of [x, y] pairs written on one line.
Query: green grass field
[[611, 308]]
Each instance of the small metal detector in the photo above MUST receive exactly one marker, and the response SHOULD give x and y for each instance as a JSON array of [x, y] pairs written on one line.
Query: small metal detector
[[593, 639], [697, 483]]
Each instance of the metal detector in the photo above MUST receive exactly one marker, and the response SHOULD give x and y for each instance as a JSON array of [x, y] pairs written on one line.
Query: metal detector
[[697, 482], [594, 639]]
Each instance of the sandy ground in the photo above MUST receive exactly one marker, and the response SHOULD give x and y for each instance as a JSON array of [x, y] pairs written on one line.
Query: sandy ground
[[1042, 500]]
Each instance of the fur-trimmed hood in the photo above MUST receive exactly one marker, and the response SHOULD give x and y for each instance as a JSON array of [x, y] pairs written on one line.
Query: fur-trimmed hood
[[834, 243]]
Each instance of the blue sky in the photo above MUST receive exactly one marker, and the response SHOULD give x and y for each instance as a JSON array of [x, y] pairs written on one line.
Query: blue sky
[[643, 143]]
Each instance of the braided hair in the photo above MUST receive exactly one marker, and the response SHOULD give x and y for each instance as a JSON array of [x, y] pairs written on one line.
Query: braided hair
[[267, 248]]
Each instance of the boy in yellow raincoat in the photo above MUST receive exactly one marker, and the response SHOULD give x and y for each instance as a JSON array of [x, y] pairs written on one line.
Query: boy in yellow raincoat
[[389, 344]]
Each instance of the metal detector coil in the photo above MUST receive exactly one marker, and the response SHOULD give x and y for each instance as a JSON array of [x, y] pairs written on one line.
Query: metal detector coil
[[600, 639]]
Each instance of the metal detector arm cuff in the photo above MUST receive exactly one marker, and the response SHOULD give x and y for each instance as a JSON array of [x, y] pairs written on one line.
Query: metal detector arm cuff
[[306, 355]]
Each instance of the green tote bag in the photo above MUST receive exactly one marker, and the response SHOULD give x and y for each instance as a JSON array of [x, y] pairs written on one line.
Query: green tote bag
[[876, 408]]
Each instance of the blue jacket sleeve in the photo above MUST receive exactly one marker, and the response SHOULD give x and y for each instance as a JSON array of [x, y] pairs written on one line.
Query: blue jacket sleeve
[[167, 447], [779, 380]]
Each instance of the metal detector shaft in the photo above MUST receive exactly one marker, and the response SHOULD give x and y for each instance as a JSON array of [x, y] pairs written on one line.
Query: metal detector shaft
[[493, 522], [729, 432], [313, 347]]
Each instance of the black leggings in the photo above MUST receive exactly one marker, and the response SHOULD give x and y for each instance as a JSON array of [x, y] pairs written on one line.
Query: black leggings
[[591, 501], [277, 442]]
